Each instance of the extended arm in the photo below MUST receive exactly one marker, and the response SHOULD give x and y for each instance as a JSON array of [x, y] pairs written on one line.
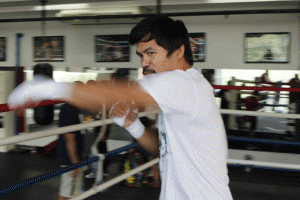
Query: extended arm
[[88, 97]]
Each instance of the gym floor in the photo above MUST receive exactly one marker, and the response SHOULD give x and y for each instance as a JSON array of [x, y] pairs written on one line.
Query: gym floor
[[257, 184]]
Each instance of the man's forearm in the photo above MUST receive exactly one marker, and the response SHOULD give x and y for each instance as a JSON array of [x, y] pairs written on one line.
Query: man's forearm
[[72, 150], [149, 141], [92, 97]]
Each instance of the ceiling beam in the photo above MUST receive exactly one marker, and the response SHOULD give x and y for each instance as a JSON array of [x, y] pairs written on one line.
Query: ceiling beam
[[177, 14]]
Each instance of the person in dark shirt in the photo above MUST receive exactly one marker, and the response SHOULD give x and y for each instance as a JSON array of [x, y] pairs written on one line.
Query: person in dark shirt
[[264, 79], [294, 83], [293, 96], [252, 104], [225, 96], [69, 151]]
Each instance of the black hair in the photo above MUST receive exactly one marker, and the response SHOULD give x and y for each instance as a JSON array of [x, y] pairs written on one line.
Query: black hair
[[255, 93], [167, 33], [44, 69], [122, 73]]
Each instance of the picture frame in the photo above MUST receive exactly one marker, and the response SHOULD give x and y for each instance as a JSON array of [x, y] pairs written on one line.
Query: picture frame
[[48, 49], [2, 49], [267, 47], [112, 48], [198, 46]]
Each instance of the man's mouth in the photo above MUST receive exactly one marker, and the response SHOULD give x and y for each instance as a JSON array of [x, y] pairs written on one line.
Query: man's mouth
[[147, 71]]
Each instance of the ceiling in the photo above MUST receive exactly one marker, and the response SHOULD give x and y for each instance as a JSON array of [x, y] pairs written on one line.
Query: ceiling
[[20, 9]]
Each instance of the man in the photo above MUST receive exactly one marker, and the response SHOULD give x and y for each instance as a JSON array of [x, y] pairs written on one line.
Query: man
[[69, 151], [264, 79], [226, 99], [191, 142], [291, 127]]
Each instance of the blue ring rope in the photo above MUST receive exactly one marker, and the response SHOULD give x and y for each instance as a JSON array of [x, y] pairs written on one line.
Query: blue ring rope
[[44, 177], [258, 140], [111, 154], [294, 171]]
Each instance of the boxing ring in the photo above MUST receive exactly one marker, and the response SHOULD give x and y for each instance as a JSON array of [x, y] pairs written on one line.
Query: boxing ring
[[249, 159]]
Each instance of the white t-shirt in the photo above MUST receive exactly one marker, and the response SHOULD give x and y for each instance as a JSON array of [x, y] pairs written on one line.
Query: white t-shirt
[[193, 144]]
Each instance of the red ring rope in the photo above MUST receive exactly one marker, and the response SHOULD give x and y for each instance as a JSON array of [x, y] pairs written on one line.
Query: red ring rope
[[4, 107], [229, 87]]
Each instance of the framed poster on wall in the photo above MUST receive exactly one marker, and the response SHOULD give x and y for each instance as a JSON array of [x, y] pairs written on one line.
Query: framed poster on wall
[[49, 48], [2, 49], [198, 44], [112, 48], [267, 47]]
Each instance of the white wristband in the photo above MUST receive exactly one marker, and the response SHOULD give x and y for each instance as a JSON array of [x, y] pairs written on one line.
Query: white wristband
[[136, 129]]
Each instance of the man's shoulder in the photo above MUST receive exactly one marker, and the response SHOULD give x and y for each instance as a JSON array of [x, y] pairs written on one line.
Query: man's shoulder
[[168, 75]]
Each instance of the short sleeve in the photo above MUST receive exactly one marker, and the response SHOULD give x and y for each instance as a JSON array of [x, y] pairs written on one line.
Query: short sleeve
[[172, 91]]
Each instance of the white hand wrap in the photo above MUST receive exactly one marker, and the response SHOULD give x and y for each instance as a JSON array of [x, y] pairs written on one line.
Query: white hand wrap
[[136, 129], [118, 120], [39, 89]]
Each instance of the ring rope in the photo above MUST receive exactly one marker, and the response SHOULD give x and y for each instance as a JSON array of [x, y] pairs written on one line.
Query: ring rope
[[5, 108], [45, 177], [264, 164], [264, 141], [95, 189], [72, 167], [230, 87], [62, 130], [294, 171], [262, 114], [94, 149], [115, 180]]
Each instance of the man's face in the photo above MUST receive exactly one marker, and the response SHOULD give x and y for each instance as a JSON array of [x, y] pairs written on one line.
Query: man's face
[[154, 58]]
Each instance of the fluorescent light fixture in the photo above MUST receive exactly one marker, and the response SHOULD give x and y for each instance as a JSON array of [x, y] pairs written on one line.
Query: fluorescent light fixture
[[102, 11], [11, 0], [101, 71], [63, 7]]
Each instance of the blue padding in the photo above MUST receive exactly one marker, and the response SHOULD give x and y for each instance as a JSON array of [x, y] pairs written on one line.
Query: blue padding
[[258, 140], [54, 174], [294, 171]]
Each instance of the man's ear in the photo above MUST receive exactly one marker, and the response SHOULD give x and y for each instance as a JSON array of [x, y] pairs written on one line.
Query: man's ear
[[180, 51]]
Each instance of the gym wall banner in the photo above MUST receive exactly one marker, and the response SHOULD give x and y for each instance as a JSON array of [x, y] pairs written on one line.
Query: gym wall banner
[[112, 48], [50, 48], [198, 45], [2, 49]]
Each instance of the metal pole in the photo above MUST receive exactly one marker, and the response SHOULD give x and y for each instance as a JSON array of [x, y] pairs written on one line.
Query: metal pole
[[17, 74], [159, 7], [43, 30]]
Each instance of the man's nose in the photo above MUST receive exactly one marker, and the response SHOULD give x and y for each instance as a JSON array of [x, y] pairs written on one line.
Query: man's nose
[[145, 62]]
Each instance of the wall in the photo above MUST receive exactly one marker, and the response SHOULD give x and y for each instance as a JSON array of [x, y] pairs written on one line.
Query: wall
[[225, 40]]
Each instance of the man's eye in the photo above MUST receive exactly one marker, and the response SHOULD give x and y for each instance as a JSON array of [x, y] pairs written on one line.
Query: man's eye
[[151, 53]]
